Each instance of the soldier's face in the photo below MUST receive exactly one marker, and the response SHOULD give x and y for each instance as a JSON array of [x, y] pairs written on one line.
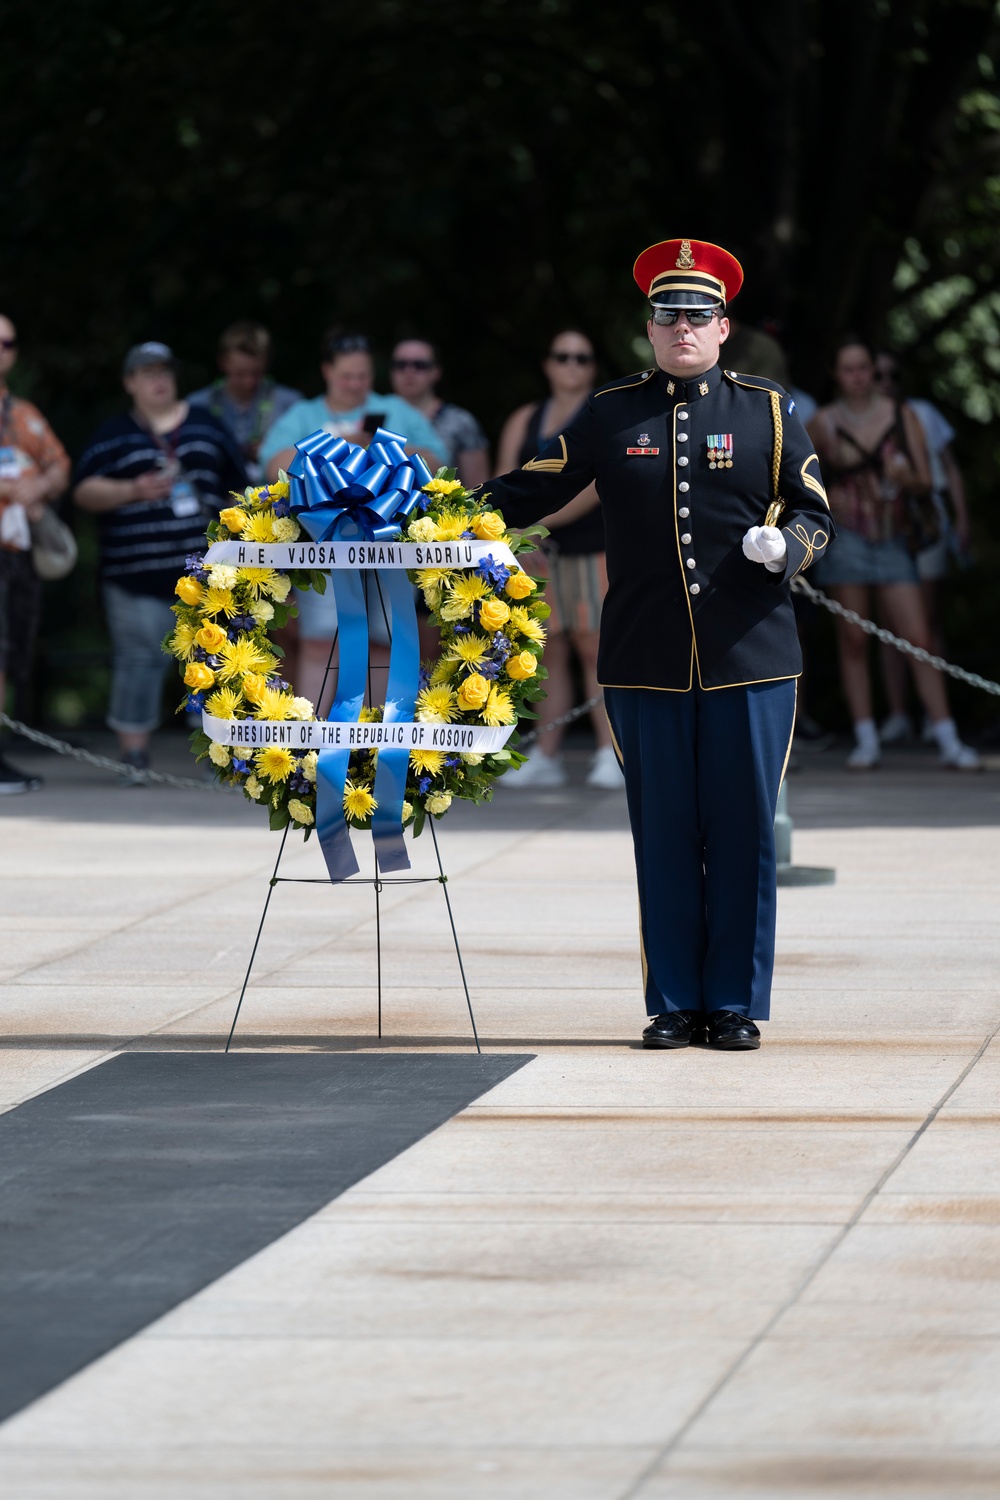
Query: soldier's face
[[683, 350]]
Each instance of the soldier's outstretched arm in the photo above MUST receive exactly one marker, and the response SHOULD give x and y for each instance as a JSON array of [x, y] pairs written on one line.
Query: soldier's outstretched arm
[[563, 467], [806, 524]]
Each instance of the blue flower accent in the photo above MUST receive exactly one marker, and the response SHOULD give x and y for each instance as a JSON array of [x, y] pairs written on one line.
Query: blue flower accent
[[425, 677], [451, 761], [491, 571], [195, 702], [243, 766], [424, 785], [501, 646], [280, 508], [193, 565], [463, 629], [489, 669], [199, 653]]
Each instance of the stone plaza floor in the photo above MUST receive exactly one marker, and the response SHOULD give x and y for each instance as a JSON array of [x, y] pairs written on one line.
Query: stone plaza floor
[[615, 1274]]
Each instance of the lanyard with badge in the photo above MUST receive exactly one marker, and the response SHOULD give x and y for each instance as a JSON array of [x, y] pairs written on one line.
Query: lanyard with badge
[[11, 459], [184, 498]]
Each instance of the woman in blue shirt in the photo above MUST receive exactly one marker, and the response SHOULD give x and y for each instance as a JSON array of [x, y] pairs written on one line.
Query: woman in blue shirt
[[349, 409]]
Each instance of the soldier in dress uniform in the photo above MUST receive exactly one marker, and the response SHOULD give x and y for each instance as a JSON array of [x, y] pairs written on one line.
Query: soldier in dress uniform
[[712, 502]]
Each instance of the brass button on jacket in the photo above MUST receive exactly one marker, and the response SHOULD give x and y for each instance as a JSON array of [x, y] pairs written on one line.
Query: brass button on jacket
[[736, 624]]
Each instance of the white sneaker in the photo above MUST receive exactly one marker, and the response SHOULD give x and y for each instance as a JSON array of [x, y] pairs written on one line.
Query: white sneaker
[[605, 773], [896, 730], [863, 758], [959, 757], [538, 771]]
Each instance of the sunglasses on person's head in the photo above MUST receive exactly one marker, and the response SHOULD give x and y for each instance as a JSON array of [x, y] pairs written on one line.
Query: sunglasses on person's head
[[8, 343], [412, 364], [562, 358], [352, 344], [696, 317]]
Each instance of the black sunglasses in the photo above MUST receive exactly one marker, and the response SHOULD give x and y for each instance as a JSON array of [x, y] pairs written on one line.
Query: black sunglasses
[[578, 359], [697, 317], [8, 343], [412, 364]]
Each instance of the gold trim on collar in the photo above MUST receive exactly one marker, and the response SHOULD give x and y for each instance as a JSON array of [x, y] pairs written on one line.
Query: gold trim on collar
[[628, 386]]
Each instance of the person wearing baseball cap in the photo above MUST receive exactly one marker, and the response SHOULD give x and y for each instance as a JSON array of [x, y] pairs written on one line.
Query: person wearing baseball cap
[[154, 475], [713, 502]]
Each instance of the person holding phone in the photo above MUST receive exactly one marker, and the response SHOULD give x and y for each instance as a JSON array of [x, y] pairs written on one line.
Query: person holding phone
[[350, 409], [154, 476]]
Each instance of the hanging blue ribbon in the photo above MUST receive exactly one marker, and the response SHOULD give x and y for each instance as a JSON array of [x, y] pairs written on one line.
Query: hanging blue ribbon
[[341, 492]]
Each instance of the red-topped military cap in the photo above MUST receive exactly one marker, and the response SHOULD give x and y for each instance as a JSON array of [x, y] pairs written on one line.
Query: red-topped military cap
[[687, 273]]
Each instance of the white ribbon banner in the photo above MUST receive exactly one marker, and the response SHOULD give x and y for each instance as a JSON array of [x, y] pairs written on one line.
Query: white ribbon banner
[[306, 554], [327, 734]]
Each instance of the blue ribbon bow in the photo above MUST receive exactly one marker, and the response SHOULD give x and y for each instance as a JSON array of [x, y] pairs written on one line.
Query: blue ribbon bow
[[342, 492]]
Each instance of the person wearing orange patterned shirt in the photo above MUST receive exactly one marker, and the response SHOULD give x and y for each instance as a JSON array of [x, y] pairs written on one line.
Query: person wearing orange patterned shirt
[[34, 471]]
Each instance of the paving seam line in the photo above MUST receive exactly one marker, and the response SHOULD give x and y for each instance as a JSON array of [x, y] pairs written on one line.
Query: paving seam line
[[635, 1489]]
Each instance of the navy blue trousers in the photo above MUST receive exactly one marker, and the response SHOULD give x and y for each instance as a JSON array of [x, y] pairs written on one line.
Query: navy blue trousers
[[702, 774]]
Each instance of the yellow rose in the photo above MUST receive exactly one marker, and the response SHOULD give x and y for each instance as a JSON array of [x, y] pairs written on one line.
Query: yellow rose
[[233, 518], [493, 614], [489, 526], [521, 666], [189, 589], [474, 692], [211, 637], [519, 586], [198, 676], [254, 686]]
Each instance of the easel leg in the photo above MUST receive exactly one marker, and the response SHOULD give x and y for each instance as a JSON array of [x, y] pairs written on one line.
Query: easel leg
[[270, 892], [454, 933], [378, 943]]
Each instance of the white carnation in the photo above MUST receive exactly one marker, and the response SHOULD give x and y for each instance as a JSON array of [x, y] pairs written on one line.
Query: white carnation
[[423, 530], [218, 754], [302, 709], [279, 587], [439, 802], [307, 765], [221, 576], [473, 757], [286, 529], [253, 787], [262, 611]]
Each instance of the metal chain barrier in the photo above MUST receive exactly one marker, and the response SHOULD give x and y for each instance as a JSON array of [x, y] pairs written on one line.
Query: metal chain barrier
[[188, 783], [104, 763], [908, 649]]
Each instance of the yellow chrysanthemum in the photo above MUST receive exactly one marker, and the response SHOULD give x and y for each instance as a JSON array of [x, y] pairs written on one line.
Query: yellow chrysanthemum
[[258, 528], [521, 623], [182, 640], [498, 708], [224, 702], [451, 527], [434, 578], [272, 704], [258, 580], [278, 489], [368, 715], [462, 596], [442, 486], [243, 655], [358, 801], [276, 763], [471, 649], [219, 601], [443, 671], [436, 705], [427, 762]]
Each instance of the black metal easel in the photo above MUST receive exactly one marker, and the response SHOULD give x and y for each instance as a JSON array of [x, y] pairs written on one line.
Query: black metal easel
[[378, 882]]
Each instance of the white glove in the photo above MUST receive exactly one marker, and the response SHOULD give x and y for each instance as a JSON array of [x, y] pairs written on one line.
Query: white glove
[[14, 529], [765, 544]]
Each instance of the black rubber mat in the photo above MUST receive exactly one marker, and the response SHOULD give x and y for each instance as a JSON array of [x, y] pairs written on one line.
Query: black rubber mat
[[127, 1189]]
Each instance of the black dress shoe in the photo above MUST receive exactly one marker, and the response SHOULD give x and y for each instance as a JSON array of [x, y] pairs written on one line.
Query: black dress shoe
[[676, 1028], [727, 1031]]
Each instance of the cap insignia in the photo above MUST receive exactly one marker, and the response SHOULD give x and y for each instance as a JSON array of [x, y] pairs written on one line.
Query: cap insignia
[[685, 260]]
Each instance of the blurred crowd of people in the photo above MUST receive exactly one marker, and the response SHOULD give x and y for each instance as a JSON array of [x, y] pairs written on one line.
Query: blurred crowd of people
[[154, 474]]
